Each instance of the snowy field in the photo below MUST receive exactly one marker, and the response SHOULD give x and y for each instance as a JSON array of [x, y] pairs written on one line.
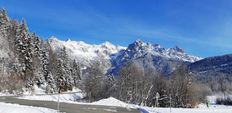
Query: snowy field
[[71, 98], [15, 108]]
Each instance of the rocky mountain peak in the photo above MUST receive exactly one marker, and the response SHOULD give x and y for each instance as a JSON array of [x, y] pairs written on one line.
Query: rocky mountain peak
[[136, 45], [139, 48], [178, 49]]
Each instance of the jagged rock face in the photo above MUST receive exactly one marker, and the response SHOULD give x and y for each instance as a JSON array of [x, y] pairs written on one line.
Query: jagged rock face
[[158, 64], [212, 66], [140, 48], [159, 59]]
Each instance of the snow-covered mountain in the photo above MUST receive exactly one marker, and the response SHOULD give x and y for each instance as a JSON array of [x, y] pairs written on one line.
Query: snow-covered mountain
[[152, 56], [212, 66], [86, 53], [139, 48], [113, 56], [80, 49]]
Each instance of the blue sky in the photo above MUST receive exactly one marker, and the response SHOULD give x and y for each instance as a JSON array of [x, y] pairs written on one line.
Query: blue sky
[[201, 27]]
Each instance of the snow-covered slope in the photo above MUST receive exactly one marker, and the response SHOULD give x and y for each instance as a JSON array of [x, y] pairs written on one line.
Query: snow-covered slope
[[87, 53], [80, 49]]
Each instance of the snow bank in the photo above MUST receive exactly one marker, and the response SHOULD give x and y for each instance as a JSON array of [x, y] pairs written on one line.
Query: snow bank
[[111, 102], [14, 108], [5, 94], [62, 97], [69, 97]]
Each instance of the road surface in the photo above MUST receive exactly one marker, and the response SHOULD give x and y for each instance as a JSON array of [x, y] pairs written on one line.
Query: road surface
[[67, 107]]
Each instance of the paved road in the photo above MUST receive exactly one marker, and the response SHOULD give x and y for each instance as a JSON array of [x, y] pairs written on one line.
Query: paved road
[[68, 108]]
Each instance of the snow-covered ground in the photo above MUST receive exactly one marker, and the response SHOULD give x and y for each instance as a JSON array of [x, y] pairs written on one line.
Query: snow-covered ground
[[70, 98], [201, 109], [222, 109], [5, 94], [15, 108]]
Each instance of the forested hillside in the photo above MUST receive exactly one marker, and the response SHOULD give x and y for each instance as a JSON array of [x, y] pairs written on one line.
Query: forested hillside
[[27, 60]]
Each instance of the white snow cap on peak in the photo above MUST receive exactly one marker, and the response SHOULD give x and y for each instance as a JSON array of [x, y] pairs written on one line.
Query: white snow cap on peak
[[53, 38]]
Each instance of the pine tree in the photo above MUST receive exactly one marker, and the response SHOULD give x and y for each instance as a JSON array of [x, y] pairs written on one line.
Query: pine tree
[[47, 72], [76, 72], [20, 42], [24, 48], [29, 74], [61, 81], [3, 17], [65, 80], [45, 63], [51, 86], [37, 61], [4, 23], [12, 36]]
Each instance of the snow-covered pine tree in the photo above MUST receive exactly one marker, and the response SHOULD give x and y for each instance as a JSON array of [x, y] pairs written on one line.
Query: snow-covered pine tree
[[24, 50], [53, 68], [21, 33], [65, 80], [61, 81], [37, 61], [67, 68], [76, 72], [4, 22], [3, 17], [45, 62], [29, 72], [51, 87]]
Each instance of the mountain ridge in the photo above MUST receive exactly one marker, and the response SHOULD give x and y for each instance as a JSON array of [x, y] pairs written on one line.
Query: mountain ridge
[[175, 52], [113, 57]]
